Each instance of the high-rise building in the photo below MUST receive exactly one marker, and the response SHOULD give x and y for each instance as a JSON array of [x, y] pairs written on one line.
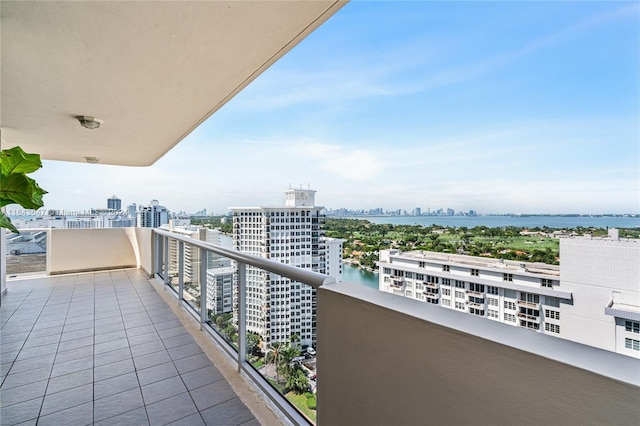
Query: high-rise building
[[114, 203], [132, 211], [220, 273], [152, 216], [594, 289], [278, 308]]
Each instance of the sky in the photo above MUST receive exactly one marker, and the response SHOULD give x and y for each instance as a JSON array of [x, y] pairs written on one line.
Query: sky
[[499, 107]]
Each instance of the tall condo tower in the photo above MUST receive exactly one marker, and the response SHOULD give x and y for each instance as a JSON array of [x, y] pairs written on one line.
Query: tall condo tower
[[278, 308], [114, 203]]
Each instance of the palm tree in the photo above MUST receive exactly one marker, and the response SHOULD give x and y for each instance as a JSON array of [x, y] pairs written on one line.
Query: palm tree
[[289, 353], [274, 355], [297, 381]]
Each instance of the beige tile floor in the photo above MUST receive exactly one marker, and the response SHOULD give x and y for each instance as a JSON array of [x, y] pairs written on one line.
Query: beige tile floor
[[105, 348]]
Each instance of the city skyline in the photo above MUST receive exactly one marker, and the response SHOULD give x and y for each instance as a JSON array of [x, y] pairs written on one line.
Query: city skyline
[[493, 107]]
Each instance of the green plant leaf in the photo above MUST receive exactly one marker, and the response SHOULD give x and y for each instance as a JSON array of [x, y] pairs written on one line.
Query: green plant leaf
[[5, 222], [20, 189], [15, 160]]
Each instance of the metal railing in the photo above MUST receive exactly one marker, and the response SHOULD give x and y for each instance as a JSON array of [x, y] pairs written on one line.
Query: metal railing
[[242, 260]]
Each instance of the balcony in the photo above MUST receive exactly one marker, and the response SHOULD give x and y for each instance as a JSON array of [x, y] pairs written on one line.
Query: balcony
[[532, 318], [430, 285], [530, 305], [143, 329]]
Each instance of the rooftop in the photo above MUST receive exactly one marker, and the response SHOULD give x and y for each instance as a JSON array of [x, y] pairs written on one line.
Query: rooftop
[[484, 262]]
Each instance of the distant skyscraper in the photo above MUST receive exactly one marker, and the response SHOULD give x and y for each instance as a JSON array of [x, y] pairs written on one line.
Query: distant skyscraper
[[152, 216], [114, 203], [132, 209], [278, 308]]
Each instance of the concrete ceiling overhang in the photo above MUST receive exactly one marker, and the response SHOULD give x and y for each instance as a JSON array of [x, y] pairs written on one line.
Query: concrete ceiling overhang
[[151, 71]]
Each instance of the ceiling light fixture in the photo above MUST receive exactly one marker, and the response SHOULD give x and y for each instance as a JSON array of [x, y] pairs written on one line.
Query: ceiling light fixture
[[88, 121]]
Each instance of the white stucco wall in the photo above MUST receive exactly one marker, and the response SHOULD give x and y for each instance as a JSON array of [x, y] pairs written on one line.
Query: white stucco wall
[[597, 271], [72, 250]]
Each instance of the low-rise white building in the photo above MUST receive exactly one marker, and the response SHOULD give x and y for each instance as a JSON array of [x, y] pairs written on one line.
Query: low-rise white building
[[592, 298], [220, 272]]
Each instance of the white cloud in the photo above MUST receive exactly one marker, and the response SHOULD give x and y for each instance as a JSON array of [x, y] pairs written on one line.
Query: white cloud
[[343, 162]]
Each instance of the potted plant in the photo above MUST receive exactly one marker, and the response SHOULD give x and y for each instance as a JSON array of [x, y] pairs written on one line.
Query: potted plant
[[15, 186]]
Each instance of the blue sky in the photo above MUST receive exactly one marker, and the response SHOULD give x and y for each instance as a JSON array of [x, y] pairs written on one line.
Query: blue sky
[[524, 107]]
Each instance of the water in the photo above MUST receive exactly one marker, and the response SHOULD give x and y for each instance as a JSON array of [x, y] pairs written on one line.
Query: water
[[355, 275], [560, 222]]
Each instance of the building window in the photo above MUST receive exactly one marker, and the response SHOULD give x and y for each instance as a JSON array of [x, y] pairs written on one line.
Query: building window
[[420, 277], [475, 273], [554, 328], [632, 344], [507, 277], [446, 281], [492, 302], [459, 284], [387, 270], [445, 268], [529, 297], [546, 282], [408, 275], [432, 280], [446, 302], [492, 314], [460, 294], [422, 265], [632, 326], [492, 290], [553, 314], [475, 311], [509, 317], [446, 292], [509, 305], [476, 287], [430, 300], [552, 301], [460, 305], [530, 325]]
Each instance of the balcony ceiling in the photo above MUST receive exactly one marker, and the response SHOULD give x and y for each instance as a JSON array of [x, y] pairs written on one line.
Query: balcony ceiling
[[151, 71]]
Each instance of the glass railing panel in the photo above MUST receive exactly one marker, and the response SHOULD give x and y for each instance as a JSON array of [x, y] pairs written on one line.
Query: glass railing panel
[[280, 333], [173, 258], [222, 279], [191, 276], [26, 252]]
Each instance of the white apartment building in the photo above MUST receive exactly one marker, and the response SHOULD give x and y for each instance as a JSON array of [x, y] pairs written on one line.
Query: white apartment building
[[220, 273], [277, 308], [152, 216], [91, 221], [333, 256], [220, 289], [592, 298]]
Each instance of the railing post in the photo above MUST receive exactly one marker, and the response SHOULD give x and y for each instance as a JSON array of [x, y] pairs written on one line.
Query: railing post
[[165, 256], [203, 288], [180, 271], [242, 318], [157, 264]]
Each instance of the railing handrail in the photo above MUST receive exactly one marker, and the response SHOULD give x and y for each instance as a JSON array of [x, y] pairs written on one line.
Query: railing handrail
[[314, 279]]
